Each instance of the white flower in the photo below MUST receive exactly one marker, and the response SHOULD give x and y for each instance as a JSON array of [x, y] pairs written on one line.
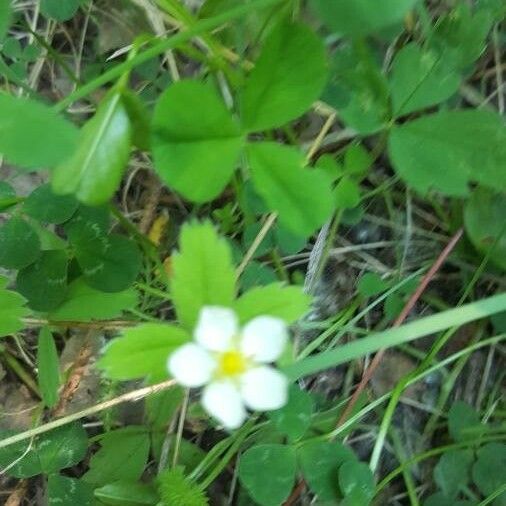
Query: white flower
[[232, 364]]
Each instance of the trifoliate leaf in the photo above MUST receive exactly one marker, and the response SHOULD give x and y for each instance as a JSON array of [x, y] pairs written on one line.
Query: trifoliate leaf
[[19, 244], [288, 76], [195, 149], [32, 135], [43, 205]]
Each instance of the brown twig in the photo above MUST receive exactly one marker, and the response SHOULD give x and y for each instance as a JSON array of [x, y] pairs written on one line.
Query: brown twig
[[17, 494], [369, 372], [78, 369]]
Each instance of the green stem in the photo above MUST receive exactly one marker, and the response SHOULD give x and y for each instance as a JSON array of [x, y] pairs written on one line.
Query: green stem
[[399, 335], [162, 46]]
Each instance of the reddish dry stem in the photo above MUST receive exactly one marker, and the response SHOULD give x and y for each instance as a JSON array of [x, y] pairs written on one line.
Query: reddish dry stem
[[369, 372]]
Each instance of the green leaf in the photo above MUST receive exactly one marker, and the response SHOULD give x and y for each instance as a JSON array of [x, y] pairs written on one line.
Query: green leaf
[[268, 473], [12, 310], [320, 462], [64, 491], [60, 10], [484, 216], [440, 499], [125, 493], [195, 149], [84, 303], [44, 283], [445, 151], [452, 471], [203, 274], [356, 477], [27, 123], [161, 407], [7, 196], [300, 195], [347, 193], [288, 77], [123, 455], [464, 422], [357, 160], [177, 490], [48, 367], [294, 418], [142, 351], [109, 263], [286, 302], [19, 244], [57, 449], [139, 119], [43, 205], [5, 17], [361, 17], [461, 35], [489, 471], [358, 90], [421, 79], [371, 284], [93, 172]]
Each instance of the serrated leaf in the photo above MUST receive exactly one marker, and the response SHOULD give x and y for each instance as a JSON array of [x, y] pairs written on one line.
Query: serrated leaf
[[358, 90], [268, 473], [64, 491], [361, 17], [420, 79], [48, 367], [320, 462], [142, 351], [44, 283], [294, 418], [94, 170], [177, 490], [288, 77], [43, 205], [300, 195], [109, 263], [25, 122], [60, 10], [12, 310], [195, 149], [84, 303], [445, 151], [489, 471], [19, 244], [50, 452], [452, 472], [286, 302], [123, 455], [125, 493], [484, 216], [203, 273]]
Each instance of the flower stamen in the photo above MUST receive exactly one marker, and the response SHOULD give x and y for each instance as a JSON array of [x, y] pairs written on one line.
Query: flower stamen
[[232, 363]]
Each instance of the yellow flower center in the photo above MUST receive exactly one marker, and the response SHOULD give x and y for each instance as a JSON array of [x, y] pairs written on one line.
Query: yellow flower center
[[232, 363]]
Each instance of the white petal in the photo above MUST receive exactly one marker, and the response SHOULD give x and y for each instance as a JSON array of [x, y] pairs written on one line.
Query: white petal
[[264, 338], [222, 400], [191, 365], [264, 388], [216, 327]]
